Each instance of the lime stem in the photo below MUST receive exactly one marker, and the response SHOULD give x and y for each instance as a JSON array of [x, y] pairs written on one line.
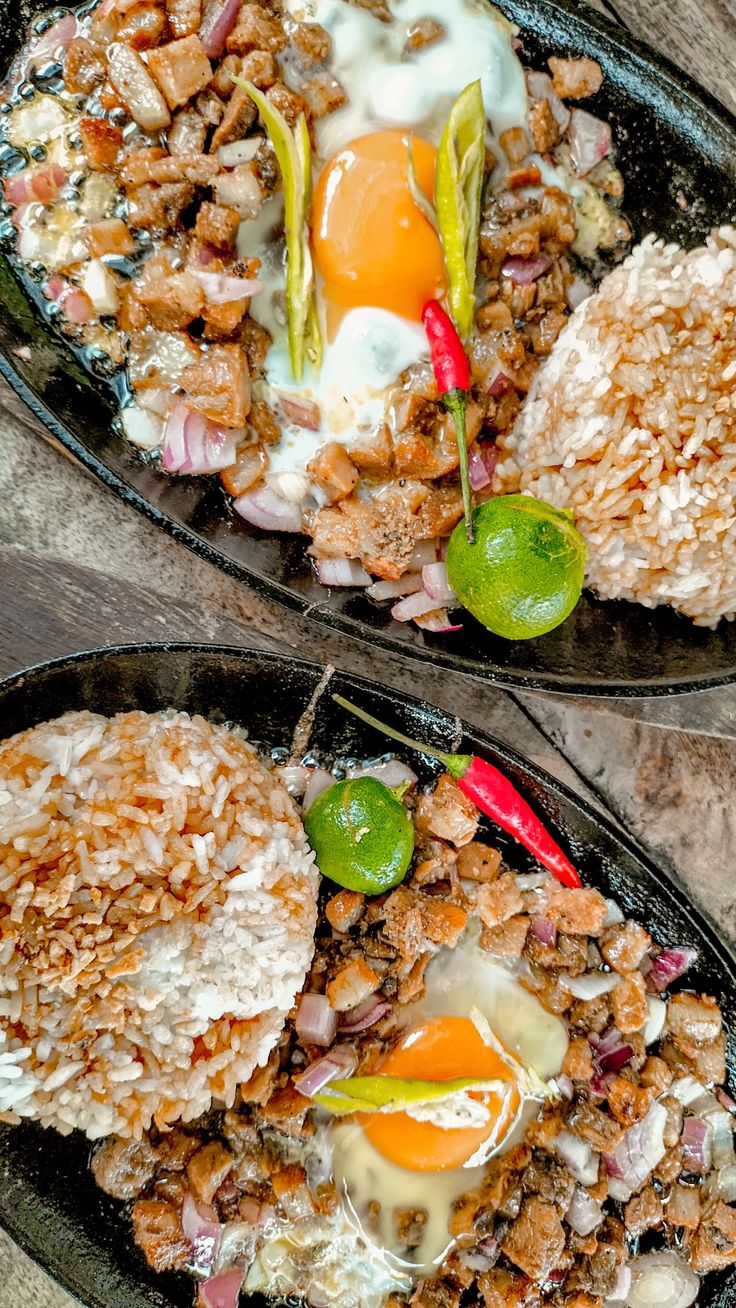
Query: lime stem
[[455, 402], [447, 759]]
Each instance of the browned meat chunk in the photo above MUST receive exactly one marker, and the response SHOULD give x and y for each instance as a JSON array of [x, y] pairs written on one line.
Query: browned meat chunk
[[256, 29], [288, 103], [323, 93], [623, 947], [600, 1131], [574, 79], [499, 900], [84, 67], [239, 189], [237, 119], [628, 1102], [447, 813], [181, 69], [629, 1003], [477, 862], [247, 471], [217, 225], [713, 1245], [256, 342], [443, 923], [123, 1168], [184, 16], [218, 386], [694, 1019], [656, 1075], [643, 1212], [110, 236], [409, 917], [157, 1229], [137, 90], [440, 513], [344, 910], [577, 912], [382, 534], [174, 1150], [172, 300], [544, 127], [333, 471], [187, 134], [158, 207], [515, 144], [144, 167], [313, 42], [101, 142], [207, 1170], [536, 1241], [410, 1225], [578, 1064], [422, 33], [507, 940], [144, 26], [286, 1110], [501, 1289], [259, 67], [352, 984], [683, 1207]]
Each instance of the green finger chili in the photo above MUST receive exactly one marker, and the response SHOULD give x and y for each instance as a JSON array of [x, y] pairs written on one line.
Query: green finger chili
[[458, 190]]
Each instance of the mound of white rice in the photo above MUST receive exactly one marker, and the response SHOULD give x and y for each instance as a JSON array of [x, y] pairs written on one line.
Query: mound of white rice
[[157, 914], [631, 422]]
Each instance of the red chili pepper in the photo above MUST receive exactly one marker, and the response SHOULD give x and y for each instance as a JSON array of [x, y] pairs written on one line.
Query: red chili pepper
[[452, 374], [493, 794]]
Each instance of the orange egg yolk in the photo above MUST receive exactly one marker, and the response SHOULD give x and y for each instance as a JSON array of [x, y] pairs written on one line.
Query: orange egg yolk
[[371, 243], [442, 1049]]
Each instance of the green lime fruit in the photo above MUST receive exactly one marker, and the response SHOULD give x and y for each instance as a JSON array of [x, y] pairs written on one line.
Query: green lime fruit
[[524, 573], [362, 835]]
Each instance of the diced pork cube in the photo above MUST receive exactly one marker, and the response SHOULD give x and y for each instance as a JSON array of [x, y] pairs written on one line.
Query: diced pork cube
[[139, 93], [181, 69], [352, 984]]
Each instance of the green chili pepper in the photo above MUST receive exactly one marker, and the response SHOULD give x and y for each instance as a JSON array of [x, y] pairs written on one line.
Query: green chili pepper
[[294, 154], [458, 189], [391, 1094]]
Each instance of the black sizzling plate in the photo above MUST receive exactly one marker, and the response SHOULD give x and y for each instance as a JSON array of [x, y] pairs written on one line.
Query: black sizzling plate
[[48, 1200], [673, 141]]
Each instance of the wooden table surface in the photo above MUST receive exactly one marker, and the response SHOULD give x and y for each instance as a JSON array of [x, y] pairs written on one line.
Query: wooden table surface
[[78, 569]]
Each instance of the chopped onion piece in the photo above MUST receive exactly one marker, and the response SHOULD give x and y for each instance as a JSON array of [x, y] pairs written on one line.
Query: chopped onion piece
[[614, 914], [266, 509], [661, 1280], [579, 1157], [590, 141], [223, 1290], [414, 606], [696, 1152], [654, 1024], [193, 444], [221, 288], [239, 152], [202, 1228], [100, 285], [438, 622], [316, 1021], [434, 576], [525, 271], [293, 777], [218, 21], [393, 773], [142, 429], [483, 458], [365, 1015], [669, 966], [544, 930], [319, 780], [592, 985], [409, 584], [236, 1244], [583, 1214], [341, 1061], [342, 572], [642, 1148]]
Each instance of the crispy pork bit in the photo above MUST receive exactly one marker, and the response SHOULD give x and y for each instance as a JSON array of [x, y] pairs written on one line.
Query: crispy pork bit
[[217, 225], [447, 813], [131, 79], [500, 900], [110, 236], [207, 1169], [181, 69], [313, 42], [536, 1241], [184, 16], [352, 984], [333, 471], [344, 910], [218, 385], [574, 79], [172, 300], [424, 32], [123, 1168], [157, 1229], [256, 30], [101, 142], [84, 67], [713, 1246]]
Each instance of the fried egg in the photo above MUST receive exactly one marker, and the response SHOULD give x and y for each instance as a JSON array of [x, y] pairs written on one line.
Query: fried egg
[[377, 258]]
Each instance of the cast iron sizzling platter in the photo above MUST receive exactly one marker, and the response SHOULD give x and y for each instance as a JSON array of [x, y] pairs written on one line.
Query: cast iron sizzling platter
[[673, 140], [48, 1200]]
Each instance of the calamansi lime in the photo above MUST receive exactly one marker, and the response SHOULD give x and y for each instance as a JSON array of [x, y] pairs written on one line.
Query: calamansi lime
[[362, 835], [524, 573]]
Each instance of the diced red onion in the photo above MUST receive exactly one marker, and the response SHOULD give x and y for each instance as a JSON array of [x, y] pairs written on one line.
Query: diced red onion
[[610, 1053], [341, 572], [438, 623], [414, 606], [590, 141], [392, 773], [218, 21], [661, 1280], [202, 1228], [725, 1100], [303, 413], [293, 777], [266, 509], [223, 1290], [41, 186], [592, 985], [696, 1151], [642, 1148], [341, 1061], [364, 1015], [206, 255], [409, 584], [582, 1163], [525, 271], [669, 966], [316, 1021], [221, 288], [319, 779], [499, 387], [193, 444], [425, 551], [583, 1214], [543, 929], [482, 461], [436, 584]]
